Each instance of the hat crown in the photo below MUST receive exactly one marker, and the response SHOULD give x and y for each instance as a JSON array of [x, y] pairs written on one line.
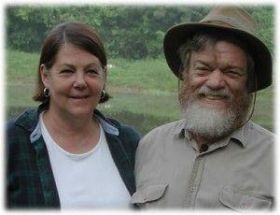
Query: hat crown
[[231, 17]]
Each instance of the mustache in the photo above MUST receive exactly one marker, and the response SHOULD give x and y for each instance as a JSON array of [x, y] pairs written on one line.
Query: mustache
[[221, 93]]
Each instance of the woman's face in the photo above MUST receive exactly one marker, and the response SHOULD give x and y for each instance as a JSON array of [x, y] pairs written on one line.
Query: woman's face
[[75, 82]]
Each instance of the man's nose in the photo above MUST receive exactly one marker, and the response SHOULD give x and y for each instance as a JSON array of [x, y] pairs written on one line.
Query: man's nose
[[216, 79]]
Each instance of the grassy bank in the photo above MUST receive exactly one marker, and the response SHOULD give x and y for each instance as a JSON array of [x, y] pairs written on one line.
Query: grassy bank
[[144, 91]]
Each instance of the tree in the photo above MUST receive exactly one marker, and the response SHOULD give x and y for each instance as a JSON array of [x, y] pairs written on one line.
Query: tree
[[128, 32]]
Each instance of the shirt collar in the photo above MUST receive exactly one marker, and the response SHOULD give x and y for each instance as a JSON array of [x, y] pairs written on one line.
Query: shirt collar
[[180, 130], [238, 136]]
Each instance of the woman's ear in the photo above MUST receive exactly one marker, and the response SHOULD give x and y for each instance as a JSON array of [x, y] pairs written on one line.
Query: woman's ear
[[44, 75]]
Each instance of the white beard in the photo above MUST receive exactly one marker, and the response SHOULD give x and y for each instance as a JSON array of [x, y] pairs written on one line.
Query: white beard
[[208, 122]]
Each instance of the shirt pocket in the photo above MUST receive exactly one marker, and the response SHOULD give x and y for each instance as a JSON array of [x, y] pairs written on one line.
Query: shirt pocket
[[239, 200], [148, 194]]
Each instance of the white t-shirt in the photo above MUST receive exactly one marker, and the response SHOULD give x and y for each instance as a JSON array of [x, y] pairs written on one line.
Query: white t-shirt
[[88, 180]]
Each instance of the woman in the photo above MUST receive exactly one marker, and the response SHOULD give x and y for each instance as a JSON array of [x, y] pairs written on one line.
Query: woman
[[66, 154]]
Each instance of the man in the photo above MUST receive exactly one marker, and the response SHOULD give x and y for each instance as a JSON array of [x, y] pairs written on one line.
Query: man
[[215, 157]]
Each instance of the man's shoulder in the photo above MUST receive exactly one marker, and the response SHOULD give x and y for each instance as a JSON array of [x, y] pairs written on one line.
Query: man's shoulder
[[165, 130], [257, 129], [257, 135]]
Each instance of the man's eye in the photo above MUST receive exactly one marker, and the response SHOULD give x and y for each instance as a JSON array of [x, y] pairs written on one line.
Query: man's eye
[[202, 68], [234, 73]]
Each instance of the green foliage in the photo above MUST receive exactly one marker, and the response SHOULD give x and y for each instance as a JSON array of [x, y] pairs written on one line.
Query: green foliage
[[265, 24], [128, 32]]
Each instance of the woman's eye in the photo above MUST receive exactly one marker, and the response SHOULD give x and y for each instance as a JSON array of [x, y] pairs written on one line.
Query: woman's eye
[[92, 71], [66, 71]]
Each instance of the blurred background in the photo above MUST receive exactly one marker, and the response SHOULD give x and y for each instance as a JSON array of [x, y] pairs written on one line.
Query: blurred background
[[143, 88]]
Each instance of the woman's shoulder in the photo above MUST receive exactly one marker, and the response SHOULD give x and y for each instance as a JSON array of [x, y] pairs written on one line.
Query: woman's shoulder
[[24, 120]]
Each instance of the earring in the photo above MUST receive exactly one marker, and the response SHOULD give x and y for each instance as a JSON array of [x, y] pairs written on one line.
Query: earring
[[46, 92], [103, 94]]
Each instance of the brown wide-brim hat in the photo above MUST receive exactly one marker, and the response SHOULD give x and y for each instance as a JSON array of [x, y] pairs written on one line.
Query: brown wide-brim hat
[[230, 19]]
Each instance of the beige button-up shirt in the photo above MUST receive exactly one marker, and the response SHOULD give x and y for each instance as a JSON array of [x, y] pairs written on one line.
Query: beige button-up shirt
[[236, 172]]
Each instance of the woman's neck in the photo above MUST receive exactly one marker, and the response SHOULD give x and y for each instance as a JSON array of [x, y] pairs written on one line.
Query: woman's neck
[[75, 135]]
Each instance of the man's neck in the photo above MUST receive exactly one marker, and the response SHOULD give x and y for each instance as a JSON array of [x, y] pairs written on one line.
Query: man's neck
[[205, 140], [200, 140]]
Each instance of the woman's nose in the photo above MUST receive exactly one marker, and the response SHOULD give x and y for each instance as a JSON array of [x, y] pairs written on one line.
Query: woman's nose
[[80, 81]]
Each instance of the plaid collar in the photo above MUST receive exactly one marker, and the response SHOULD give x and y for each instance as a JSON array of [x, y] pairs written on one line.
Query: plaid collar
[[29, 120]]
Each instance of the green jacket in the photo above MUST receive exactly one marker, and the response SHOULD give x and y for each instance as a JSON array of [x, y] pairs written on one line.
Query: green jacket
[[29, 178]]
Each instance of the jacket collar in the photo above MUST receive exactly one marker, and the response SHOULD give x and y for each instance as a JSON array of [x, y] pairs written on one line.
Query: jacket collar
[[29, 120], [108, 126]]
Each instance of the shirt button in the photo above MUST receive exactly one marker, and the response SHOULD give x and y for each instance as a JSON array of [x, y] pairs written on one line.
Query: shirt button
[[203, 148]]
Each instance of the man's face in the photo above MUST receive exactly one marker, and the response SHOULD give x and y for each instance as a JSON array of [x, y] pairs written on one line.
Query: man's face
[[215, 87]]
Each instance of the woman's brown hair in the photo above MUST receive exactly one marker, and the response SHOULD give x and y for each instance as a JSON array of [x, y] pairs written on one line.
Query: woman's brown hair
[[78, 34]]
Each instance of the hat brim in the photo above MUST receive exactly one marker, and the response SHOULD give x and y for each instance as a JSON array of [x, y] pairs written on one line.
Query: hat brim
[[178, 35]]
